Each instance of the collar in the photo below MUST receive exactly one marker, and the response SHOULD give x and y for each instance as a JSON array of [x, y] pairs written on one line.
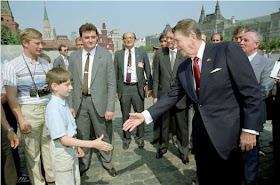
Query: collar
[[92, 52], [250, 57], [63, 57], [201, 50], [28, 60], [175, 50], [59, 100], [132, 50]]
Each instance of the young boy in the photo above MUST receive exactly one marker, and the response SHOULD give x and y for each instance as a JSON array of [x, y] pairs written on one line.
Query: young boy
[[62, 129]]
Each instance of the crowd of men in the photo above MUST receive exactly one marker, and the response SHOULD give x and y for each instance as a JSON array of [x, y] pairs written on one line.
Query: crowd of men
[[209, 98]]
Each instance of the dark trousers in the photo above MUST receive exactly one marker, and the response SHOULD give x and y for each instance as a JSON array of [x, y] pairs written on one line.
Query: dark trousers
[[13, 123], [156, 129], [251, 163], [211, 168], [177, 117], [131, 96], [8, 170], [276, 149]]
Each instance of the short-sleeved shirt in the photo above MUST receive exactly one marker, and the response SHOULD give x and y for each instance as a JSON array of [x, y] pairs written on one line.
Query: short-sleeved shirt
[[59, 120], [17, 74]]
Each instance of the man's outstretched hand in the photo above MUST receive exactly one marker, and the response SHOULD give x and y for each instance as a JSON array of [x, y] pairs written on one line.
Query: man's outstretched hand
[[134, 120]]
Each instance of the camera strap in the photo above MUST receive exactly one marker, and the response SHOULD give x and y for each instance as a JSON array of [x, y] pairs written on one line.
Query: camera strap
[[34, 72]]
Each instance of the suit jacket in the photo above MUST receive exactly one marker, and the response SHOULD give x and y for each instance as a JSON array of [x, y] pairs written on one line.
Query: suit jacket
[[59, 62], [103, 82], [262, 67], [229, 99], [140, 56], [163, 75]]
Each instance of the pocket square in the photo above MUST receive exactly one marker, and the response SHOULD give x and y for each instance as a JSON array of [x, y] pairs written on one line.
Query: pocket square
[[215, 70]]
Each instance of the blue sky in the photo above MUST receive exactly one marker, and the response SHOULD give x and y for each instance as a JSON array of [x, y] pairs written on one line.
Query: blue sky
[[144, 18]]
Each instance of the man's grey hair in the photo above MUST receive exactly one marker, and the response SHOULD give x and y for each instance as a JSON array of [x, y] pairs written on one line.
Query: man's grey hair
[[258, 37]]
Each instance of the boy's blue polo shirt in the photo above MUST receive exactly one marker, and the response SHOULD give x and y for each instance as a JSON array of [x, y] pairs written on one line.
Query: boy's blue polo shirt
[[59, 120]]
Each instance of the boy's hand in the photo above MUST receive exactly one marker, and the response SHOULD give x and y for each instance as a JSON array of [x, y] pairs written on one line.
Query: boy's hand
[[102, 145], [73, 113], [80, 152]]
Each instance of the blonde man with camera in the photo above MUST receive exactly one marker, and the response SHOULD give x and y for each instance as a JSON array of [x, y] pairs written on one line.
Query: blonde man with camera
[[25, 82]]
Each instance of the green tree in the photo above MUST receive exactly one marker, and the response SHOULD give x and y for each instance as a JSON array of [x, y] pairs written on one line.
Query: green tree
[[273, 44], [9, 38]]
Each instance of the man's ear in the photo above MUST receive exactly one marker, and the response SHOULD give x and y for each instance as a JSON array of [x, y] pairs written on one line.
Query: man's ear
[[25, 43]]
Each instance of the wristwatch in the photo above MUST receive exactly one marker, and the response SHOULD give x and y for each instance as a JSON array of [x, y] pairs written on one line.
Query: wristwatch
[[10, 129]]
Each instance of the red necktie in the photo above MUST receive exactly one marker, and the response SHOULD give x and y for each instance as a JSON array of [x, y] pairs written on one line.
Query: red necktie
[[196, 72], [128, 74]]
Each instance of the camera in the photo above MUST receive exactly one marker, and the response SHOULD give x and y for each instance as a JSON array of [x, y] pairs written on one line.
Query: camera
[[42, 91]]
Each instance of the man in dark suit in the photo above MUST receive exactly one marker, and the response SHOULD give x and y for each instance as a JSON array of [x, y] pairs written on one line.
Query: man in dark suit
[[165, 65], [131, 66], [225, 89], [93, 97], [62, 60]]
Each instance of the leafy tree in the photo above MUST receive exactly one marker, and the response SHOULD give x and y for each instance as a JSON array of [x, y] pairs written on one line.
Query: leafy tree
[[9, 38]]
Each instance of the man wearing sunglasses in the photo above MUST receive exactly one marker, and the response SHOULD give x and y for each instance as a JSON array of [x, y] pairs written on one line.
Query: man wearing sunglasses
[[62, 60]]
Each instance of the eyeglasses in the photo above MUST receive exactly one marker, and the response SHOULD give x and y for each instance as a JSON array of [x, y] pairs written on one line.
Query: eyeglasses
[[65, 50]]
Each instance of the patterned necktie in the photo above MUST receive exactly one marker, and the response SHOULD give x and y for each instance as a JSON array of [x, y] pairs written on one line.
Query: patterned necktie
[[172, 61], [85, 80], [128, 73], [196, 72]]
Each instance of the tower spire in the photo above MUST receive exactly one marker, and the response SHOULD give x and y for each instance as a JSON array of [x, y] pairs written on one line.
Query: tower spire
[[217, 10], [202, 15]]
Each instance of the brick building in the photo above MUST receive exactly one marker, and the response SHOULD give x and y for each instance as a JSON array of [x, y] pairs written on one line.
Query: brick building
[[7, 18]]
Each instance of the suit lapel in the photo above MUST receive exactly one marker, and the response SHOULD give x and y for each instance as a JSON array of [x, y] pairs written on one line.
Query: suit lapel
[[166, 60], [121, 60], [95, 64], [137, 59], [190, 81], [178, 61], [79, 63], [207, 67]]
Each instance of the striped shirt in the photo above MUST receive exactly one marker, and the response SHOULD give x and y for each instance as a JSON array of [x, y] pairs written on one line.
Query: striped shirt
[[17, 74]]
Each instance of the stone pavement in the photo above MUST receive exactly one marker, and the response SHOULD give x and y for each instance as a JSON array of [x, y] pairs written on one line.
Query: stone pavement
[[140, 167]]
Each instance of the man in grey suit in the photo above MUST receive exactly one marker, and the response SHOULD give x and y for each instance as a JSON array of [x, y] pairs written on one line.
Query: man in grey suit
[[165, 67], [131, 65], [93, 96], [262, 68], [62, 60]]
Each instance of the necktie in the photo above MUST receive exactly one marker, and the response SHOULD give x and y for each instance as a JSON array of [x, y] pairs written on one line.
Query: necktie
[[196, 72], [85, 80], [172, 61], [128, 74]]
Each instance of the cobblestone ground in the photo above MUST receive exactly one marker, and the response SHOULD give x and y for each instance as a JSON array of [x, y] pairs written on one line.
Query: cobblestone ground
[[140, 167]]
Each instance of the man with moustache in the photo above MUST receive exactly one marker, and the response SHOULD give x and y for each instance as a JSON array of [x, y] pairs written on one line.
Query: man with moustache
[[220, 81], [92, 100]]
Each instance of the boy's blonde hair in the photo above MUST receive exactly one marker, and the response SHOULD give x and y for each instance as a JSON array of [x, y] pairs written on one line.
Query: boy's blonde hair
[[28, 34], [57, 75]]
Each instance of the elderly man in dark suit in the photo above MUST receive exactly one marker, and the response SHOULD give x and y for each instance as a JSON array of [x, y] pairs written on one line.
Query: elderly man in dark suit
[[221, 83], [165, 65], [131, 66], [62, 60], [93, 97]]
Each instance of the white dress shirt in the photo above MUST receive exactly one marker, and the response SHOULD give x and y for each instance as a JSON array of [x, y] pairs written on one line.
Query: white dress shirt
[[133, 65], [65, 61]]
